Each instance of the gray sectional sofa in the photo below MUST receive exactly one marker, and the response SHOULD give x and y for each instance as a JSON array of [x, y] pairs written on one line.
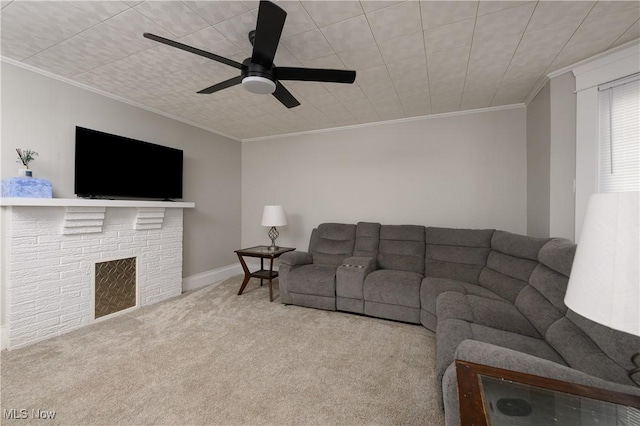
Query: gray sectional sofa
[[492, 297]]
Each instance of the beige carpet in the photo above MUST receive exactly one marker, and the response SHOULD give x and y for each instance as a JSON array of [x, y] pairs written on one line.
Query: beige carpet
[[211, 357]]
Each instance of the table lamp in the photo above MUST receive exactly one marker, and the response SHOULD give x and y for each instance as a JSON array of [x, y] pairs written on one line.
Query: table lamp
[[604, 285], [273, 216]]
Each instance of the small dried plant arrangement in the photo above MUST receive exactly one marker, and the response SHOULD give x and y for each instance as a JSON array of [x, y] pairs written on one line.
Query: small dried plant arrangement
[[26, 156]]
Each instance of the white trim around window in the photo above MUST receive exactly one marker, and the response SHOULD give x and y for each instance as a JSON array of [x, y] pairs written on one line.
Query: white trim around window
[[588, 77]]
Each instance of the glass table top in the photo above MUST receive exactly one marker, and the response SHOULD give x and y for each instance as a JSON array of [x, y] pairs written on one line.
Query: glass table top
[[265, 250], [509, 403]]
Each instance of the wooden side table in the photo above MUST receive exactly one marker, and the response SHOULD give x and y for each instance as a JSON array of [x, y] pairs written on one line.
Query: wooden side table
[[263, 253], [495, 396]]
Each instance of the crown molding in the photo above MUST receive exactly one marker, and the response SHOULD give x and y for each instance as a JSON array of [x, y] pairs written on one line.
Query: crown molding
[[396, 121], [543, 81], [594, 58], [83, 86]]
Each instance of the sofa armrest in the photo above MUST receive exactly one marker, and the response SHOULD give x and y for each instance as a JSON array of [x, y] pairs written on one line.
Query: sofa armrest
[[287, 263], [497, 356], [295, 258], [350, 277]]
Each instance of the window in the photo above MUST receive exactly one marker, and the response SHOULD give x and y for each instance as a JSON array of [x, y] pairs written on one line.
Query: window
[[612, 66], [619, 139]]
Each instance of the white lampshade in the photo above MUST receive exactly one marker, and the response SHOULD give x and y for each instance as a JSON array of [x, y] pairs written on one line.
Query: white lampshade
[[604, 285], [274, 216]]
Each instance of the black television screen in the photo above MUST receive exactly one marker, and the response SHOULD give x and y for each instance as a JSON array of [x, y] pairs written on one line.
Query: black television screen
[[110, 166]]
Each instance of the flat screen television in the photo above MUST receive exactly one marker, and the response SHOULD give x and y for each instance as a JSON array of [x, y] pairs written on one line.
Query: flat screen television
[[110, 166]]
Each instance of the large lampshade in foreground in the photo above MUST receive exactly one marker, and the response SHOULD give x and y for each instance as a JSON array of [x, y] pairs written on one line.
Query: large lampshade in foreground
[[604, 284], [273, 216]]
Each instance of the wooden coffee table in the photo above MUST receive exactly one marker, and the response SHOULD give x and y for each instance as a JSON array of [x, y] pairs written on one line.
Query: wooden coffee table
[[263, 253]]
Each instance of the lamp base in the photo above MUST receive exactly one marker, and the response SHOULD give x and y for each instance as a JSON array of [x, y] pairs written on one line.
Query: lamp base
[[273, 234]]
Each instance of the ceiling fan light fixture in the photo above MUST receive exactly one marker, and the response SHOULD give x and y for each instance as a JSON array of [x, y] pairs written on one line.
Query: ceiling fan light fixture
[[259, 85]]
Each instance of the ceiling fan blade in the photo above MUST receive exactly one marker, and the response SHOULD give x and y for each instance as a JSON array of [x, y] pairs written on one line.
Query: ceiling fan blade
[[315, 74], [222, 85], [268, 30], [284, 96], [193, 50]]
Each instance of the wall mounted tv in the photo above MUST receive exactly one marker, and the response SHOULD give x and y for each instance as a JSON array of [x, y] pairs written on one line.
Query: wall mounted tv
[[110, 166]]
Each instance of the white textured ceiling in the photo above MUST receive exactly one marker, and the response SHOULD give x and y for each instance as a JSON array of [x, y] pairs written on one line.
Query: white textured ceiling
[[412, 58]]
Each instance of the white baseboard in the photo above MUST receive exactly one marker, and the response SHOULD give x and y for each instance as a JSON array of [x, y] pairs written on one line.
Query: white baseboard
[[213, 276], [4, 338], [216, 276]]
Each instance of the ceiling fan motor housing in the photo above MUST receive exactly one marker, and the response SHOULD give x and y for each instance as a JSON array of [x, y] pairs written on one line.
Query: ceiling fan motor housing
[[257, 78]]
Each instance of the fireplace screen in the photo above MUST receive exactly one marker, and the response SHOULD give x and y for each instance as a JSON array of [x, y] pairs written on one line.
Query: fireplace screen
[[115, 288]]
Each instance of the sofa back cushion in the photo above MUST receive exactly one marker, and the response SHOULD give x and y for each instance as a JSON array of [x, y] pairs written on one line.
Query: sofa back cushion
[[542, 300], [457, 254], [401, 248], [510, 263], [593, 348], [331, 243], [367, 239]]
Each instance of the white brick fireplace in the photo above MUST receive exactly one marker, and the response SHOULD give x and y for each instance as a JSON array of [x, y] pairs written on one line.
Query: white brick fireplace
[[49, 248]]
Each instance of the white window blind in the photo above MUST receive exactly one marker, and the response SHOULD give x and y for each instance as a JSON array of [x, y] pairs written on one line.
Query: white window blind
[[619, 152]]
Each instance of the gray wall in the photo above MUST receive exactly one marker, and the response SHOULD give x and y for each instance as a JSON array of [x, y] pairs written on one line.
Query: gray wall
[[551, 159], [41, 113], [465, 170], [563, 156], [538, 163]]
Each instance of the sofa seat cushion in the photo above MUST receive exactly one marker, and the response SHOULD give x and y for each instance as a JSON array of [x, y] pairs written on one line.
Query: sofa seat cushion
[[451, 332], [431, 288], [393, 287], [318, 280], [516, 342], [492, 313]]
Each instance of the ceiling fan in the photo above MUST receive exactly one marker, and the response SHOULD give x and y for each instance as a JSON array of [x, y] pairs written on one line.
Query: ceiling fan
[[258, 74]]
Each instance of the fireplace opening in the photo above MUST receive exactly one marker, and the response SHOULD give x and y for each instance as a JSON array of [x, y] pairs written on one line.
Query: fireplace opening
[[115, 286]]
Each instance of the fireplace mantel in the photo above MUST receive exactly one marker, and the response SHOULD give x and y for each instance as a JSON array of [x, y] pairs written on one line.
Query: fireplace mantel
[[83, 202]]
